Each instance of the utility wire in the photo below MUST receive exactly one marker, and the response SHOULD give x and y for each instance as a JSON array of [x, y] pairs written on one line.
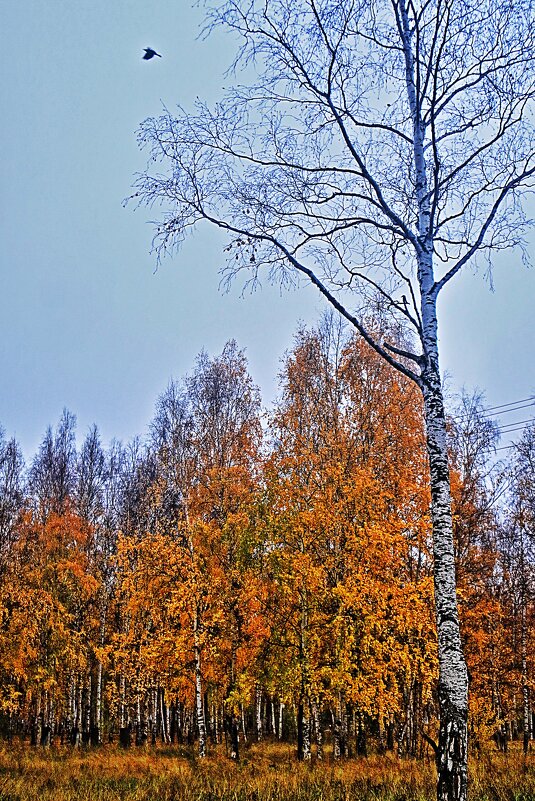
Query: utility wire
[[503, 429], [506, 408], [487, 412], [511, 403], [512, 430], [512, 406]]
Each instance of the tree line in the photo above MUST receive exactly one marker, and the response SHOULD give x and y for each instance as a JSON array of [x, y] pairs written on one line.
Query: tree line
[[244, 574]]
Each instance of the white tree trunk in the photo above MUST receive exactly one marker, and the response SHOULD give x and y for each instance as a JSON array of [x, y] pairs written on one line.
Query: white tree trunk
[[453, 676], [258, 710], [317, 729], [201, 724], [98, 706], [272, 716], [164, 716]]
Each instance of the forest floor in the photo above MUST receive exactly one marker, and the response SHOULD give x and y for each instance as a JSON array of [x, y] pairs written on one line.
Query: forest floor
[[265, 773]]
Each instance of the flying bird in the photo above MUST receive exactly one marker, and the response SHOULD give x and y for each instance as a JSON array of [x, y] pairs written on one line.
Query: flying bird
[[150, 53]]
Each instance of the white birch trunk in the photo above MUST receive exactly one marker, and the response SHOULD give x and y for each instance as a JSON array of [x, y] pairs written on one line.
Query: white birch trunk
[[38, 725], [317, 730], [307, 753], [336, 735], [71, 707], [258, 709], [97, 735], [52, 716], [453, 677], [98, 706], [86, 726], [526, 733], [164, 717], [217, 732], [243, 726], [272, 716], [77, 734], [525, 688], [201, 725]]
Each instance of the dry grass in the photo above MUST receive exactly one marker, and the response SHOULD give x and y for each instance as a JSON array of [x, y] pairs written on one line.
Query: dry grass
[[267, 773]]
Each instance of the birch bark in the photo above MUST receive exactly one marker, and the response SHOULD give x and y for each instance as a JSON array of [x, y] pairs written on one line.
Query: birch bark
[[201, 724], [526, 717], [258, 710], [453, 677]]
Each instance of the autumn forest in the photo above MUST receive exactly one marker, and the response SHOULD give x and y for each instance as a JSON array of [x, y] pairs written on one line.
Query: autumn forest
[[241, 575]]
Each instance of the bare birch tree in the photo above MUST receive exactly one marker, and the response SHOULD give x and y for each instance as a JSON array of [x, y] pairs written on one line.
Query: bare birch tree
[[11, 495], [52, 476], [378, 148]]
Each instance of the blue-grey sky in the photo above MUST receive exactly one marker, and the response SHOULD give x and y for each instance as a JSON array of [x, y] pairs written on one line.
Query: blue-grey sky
[[85, 322]]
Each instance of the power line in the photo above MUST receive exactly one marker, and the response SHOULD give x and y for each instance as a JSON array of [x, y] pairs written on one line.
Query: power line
[[506, 408], [511, 403], [512, 430], [487, 412], [503, 429], [492, 411]]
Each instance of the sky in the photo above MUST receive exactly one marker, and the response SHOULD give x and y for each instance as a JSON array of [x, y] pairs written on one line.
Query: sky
[[86, 320]]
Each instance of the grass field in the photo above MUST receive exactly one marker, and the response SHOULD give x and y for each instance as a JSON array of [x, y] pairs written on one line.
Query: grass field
[[266, 773]]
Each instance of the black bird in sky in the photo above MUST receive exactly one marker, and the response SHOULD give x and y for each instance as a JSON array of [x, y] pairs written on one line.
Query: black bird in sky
[[150, 53]]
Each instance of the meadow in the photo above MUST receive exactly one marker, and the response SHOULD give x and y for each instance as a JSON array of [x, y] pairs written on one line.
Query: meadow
[[266, 773]]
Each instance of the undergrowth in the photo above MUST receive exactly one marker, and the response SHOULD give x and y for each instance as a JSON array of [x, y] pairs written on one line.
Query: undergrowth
[[266, 773]]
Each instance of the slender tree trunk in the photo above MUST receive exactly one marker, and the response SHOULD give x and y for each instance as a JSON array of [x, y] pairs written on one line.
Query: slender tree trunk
[[70, 717], [453, 676], [243, 724], [336, 734], [201, 724], [141, 738], [307, 754], [526, 732], [153, 714], [303, 717], [234, 732], [303, 731], [96, 735], [317, 729], [272, 716], [361, 735], [122, 701], [125, 729], [37, 720], [213, 722], [258, 710], [77, 734], [86, 721], [52, 715], [164, 716], [174, 727], [46, 731]]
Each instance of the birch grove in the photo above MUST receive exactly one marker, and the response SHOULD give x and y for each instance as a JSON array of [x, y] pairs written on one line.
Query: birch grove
[[233, 583], [374, 149]]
